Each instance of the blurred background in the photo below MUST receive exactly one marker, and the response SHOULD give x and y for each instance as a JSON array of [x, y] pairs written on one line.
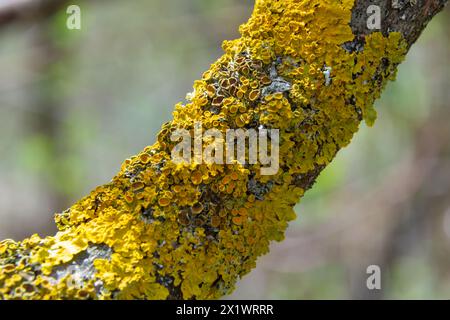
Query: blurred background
[[75, 103]]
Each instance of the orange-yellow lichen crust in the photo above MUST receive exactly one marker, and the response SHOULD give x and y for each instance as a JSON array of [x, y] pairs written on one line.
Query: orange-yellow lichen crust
[[162, 230]]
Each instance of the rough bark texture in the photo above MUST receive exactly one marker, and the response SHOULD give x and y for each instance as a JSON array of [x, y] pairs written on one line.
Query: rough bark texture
[[409, 17], [161, 230]]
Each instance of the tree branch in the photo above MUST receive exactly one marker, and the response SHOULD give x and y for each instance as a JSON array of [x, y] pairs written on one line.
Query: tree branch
[[161, 230], [409, 17]]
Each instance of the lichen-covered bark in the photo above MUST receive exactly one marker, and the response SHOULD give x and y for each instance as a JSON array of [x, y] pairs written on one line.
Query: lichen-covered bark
[[161, 230]]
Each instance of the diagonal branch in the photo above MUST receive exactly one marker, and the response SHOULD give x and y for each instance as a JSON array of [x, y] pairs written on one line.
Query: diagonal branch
[[166, 230]]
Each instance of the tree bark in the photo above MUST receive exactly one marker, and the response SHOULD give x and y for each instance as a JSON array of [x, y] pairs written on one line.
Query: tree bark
[[161, 230]]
